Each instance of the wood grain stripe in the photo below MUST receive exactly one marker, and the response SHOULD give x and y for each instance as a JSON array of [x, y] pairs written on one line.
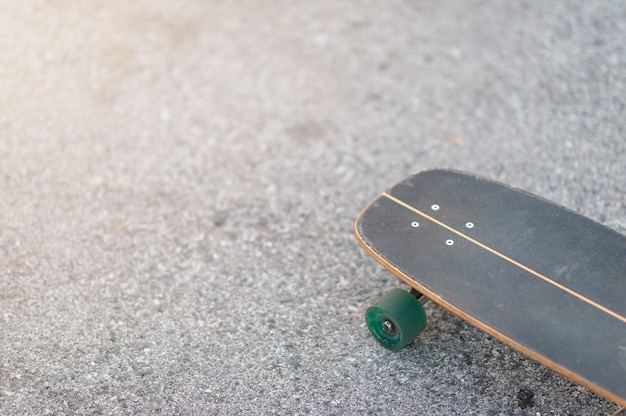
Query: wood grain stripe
[[510, 260]]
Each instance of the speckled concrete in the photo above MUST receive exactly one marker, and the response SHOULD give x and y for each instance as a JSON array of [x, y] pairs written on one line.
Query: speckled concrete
[[179, 180]]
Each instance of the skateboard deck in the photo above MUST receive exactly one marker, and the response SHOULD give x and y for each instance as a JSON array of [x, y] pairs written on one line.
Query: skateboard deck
[[543, 279]]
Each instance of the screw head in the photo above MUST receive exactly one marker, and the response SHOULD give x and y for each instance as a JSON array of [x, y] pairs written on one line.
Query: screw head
[[388, 326]]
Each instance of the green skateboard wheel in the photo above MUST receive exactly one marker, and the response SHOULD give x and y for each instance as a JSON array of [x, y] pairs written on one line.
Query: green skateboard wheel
[[396, 319]]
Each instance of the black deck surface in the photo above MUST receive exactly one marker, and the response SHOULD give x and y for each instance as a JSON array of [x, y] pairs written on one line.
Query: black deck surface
[[540, 277]]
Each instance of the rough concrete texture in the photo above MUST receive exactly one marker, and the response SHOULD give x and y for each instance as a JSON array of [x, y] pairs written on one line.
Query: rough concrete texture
[[179, 180]]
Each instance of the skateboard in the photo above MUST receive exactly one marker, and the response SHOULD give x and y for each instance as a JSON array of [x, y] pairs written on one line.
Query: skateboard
[[539, 277]]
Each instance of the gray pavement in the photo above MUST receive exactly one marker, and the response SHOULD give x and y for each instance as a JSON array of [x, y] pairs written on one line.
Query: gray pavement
[[179, 180]]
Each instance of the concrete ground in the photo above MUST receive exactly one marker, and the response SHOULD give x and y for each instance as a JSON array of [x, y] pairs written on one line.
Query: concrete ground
[[179, 180]]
